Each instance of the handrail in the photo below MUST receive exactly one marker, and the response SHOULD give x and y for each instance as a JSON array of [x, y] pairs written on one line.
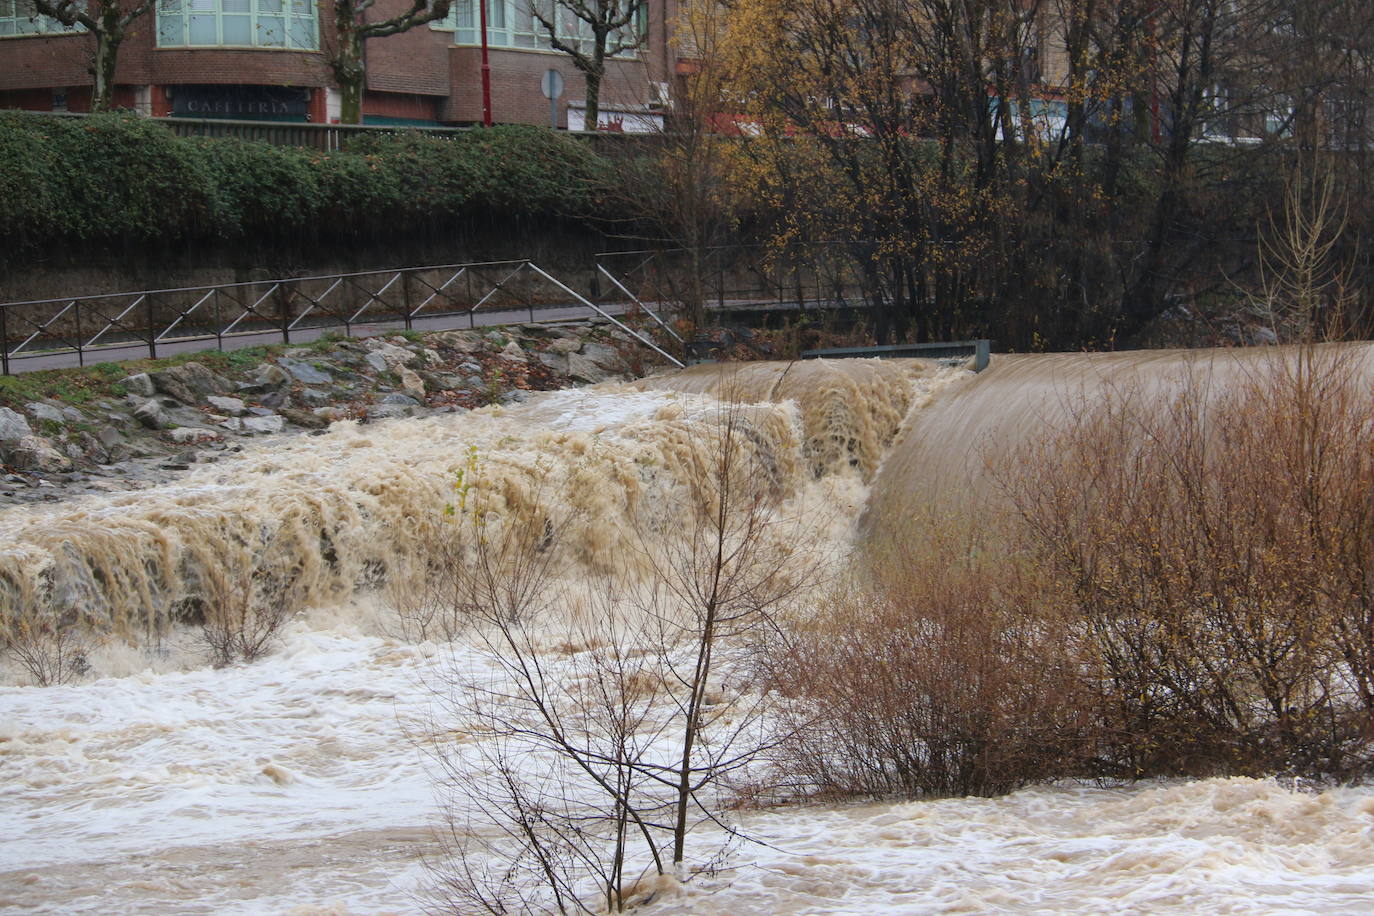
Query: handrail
[[268, 310]]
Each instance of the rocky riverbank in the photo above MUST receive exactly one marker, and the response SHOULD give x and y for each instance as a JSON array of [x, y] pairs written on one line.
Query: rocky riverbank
[[123, 427]]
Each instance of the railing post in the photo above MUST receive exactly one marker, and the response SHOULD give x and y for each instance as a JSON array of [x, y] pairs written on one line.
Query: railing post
[[284, 308], [150, 315], [4, 342], [405, 297], [218, 319], [80, 351]]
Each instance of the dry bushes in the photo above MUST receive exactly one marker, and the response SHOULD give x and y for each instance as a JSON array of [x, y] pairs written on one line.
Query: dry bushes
[[944, 676], [1183, 584], [53, 651], [1214, 544]]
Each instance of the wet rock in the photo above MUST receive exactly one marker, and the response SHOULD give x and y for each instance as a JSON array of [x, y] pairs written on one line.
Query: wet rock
[[304, 372], [411, 383], [446, 382], [268, 375], [41, 411], [13, 425], [389, 411], [152, 414], [462, 341], [230, 407], [583, 369], [140, 384], [92, 448], [331, 414], [185, 435], [190, 382], [264, 425], [34, 453], [304, 418], [602, 355], [565, 345], [558, 362], [392, 356]]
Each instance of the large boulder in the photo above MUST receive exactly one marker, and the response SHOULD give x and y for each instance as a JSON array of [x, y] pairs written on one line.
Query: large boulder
[[48, 412], [152, 414], [304, 372], [190, 383], [264, 425], [229, 407], [583, 369], [140, 384], [34, 453], [13, 426]]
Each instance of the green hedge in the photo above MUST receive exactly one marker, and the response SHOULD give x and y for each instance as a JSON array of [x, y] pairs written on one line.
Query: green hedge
[[118, 178]]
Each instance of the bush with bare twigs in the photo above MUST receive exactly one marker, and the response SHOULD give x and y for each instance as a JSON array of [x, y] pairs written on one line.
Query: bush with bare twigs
[[53, 651], [244, 614], [606, 725], [1215, 544], [945, 674]]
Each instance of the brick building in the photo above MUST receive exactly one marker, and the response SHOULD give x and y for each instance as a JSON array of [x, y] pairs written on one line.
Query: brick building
[[269, 60]]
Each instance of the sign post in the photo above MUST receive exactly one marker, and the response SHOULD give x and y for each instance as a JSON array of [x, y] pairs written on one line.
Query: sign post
[[551, 84]]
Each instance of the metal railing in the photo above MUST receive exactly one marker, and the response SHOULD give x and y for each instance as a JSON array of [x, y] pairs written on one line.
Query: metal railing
[[743, 277], [48, 332], [304, 133]]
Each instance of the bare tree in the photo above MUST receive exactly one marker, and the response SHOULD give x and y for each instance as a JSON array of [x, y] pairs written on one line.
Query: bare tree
[[107, 22], [598, 753], [349, 60], [591, 32]]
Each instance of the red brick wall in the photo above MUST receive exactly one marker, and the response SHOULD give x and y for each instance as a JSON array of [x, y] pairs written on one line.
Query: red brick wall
[[421, 62], [414, 62], [392, 105], [515, 94]]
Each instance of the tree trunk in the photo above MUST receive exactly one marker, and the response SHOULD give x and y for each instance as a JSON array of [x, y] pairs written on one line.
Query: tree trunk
[[349, 69], [103, 71], [594, 73]]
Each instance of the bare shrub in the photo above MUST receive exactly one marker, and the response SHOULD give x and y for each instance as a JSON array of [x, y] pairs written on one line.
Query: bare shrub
[[244, 613], [603, 734], [945, 674], [53, 651], [1214, 543]]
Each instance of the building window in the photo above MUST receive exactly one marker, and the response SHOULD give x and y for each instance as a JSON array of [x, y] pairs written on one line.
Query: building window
[[18, 17], [237, 24], [511, 24]]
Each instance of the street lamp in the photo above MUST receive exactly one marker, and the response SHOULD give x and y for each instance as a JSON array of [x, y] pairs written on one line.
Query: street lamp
[[486, 67]]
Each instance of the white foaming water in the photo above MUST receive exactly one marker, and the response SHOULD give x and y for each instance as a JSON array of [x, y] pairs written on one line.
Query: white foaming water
[[293, 785]]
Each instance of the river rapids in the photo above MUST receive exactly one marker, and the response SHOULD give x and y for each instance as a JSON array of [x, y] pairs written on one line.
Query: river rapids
[[155, 783]]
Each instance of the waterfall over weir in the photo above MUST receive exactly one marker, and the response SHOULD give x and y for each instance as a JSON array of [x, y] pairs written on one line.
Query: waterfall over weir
[[341, 513], [944, 454]]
